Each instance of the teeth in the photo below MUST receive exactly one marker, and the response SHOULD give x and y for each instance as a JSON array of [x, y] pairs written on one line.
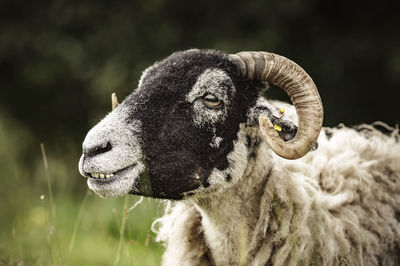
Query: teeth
[[98, 175]]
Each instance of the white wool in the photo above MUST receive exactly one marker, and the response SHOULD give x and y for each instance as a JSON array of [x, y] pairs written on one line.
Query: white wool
[[338, 205], [185, 232]]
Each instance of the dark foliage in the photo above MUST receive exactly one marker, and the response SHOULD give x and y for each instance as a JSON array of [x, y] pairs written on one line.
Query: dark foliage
[[60, 61]]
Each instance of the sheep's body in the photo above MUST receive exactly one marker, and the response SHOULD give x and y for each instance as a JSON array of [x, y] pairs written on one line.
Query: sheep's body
[[192, 132], [338, 205]]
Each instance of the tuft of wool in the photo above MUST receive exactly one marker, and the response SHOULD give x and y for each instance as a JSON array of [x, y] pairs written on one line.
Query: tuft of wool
[[182, 231], [338, 205]]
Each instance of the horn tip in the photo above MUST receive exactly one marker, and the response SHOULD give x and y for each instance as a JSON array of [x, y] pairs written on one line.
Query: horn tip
[[114, 100]]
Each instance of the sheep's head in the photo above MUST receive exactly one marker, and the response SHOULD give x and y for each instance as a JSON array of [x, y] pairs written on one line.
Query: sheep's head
[[173, 135]]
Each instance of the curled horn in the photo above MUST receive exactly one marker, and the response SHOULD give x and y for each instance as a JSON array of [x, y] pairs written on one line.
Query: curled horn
[[302, 91], [114, 101]]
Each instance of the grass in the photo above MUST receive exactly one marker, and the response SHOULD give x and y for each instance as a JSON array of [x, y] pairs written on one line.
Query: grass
[[104, 234], [48, 217], [99, 240]]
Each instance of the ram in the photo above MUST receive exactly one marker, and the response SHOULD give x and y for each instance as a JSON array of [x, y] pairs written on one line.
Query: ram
[[249, 183]]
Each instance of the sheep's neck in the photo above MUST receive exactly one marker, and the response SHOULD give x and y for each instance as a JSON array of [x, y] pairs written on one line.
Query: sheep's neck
[[229, 217]]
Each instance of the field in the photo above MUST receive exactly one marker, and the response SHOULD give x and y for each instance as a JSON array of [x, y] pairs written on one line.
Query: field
[[61, 60], [48, 217]]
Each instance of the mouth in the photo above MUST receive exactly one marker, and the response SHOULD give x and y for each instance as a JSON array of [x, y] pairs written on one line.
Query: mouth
[[115, 184], [109, 177]]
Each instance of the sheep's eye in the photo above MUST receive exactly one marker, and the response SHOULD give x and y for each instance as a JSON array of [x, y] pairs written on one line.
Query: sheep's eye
[[211, 101]]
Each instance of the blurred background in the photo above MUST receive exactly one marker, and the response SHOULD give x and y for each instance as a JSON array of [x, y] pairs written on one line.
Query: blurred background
[[60, 61]]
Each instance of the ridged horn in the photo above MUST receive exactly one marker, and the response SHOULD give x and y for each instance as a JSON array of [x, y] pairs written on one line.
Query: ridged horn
[[302, 91]]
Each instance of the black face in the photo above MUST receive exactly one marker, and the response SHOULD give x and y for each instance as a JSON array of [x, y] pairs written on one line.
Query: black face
[[185, 135]]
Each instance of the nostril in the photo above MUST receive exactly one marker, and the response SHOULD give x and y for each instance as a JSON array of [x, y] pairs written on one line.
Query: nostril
[[98, 149]]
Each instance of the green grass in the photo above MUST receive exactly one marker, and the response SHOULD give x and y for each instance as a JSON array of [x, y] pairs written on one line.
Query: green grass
[[74, 226], [35, 238]]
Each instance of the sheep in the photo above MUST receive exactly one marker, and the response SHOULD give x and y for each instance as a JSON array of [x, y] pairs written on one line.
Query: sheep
[[246, 183]]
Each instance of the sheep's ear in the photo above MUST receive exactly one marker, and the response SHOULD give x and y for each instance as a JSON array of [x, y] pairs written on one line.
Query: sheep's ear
[[280, 114]]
